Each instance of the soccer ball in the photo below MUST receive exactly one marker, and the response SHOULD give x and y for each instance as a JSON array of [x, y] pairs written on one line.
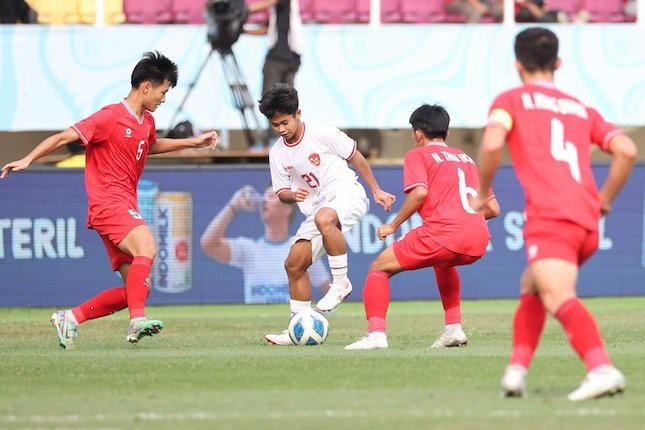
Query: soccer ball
[[308, 327]]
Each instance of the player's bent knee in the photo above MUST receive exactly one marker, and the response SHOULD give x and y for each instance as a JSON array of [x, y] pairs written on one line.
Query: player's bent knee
[[326, 218], [553, 299], [294, 267], [149, 251], [376, 266]]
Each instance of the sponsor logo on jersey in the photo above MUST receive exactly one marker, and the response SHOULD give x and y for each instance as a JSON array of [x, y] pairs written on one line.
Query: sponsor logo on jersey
[[532, 251], [314, 159], [128, 132]]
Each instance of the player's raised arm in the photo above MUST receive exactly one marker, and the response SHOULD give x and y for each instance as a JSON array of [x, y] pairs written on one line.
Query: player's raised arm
[[46, 147], [412, 203], [164, 144], [381, 197]]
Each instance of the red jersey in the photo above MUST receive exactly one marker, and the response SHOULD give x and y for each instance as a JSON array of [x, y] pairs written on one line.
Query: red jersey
[[549, 138], [117, 147], [452, 179]]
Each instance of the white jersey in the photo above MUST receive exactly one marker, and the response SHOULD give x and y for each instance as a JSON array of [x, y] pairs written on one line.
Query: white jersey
[[317, 162], [258, 259]]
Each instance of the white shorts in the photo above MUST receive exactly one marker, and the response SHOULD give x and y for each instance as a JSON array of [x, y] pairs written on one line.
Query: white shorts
[[350, 207]]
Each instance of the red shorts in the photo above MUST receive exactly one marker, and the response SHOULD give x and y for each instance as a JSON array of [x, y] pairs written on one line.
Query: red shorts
[[559, 239], [417, 250], [113, 225]]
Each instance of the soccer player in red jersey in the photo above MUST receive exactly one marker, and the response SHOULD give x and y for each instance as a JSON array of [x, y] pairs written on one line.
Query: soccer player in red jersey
[[439, 182], [119, 138], [549, 136]]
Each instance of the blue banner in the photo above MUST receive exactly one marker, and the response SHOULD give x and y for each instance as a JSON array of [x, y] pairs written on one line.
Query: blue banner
[[49, 258]]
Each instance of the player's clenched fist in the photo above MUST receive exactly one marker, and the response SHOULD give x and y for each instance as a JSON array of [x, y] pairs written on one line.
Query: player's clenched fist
[[208, 140], [384, 231], [384, 199]]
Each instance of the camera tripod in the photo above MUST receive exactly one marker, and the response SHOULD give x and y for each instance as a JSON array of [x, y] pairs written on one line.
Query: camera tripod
[[242, 99]]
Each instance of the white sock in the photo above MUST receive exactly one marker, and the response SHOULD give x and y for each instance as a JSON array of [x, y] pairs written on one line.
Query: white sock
[[298, 305], [338, 266], [450, 328], [133, 320], [376, 334], [70, 316]]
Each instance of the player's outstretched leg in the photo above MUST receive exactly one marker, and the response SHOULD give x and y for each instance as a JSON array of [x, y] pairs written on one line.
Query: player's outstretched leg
[[449, 285], [602, 381], [584, 336], [142, 327], [66, 328], [376, 297]]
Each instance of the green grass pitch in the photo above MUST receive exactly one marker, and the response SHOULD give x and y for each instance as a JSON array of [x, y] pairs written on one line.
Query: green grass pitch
[[211, 369]]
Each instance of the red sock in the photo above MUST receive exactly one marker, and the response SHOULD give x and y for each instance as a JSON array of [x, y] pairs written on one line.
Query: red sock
[[376, 296], [527, 329], [104, 303], [138, 285], [583, 333], [449, 285]]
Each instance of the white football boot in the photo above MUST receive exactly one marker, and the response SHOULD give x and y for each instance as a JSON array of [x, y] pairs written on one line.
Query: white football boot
[[514, 381], [66, 329], [374, 340], [281, 339], [457, 338], [604, 380], [335, 295], [142, 327]]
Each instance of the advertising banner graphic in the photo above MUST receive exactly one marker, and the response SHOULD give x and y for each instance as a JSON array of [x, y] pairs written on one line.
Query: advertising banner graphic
[[222, 237]]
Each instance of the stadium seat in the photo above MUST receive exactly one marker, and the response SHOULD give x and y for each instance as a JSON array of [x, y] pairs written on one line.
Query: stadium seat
[[605, 10], [147, 11], [261, 17], [334, 11], [423, 11], [56, 11], [306, 13], [113, 11], [570, 7], [390, 11], [188, 11]]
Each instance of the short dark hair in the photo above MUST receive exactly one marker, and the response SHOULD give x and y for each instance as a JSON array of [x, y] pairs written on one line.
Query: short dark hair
[[536, 49], [433, 121], [279, 99], [156, 68]]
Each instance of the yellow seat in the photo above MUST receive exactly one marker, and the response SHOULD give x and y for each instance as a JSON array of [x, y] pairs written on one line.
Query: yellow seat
[[56, 11], [113, 11], [77, 160]]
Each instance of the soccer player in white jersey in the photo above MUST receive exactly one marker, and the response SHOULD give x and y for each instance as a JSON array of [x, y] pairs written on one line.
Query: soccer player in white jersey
[[309, 167]]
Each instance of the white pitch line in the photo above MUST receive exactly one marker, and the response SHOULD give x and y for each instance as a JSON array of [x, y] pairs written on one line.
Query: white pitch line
[[327, 413]]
